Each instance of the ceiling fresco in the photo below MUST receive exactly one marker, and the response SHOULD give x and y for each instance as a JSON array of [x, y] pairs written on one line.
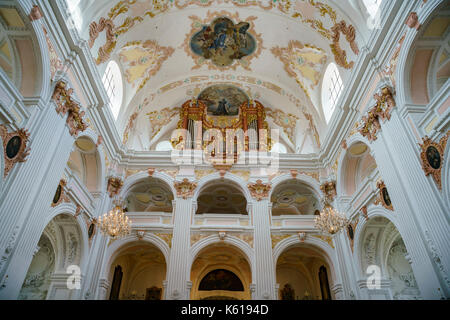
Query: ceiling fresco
[[169, 48], [222, 42], [223, 100]]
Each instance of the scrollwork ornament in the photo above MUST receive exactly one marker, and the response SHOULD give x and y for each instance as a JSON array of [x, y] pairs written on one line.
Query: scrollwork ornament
[[114, 186], [185, 189], [383, 196], [259, 190], [14, 147], [432, 157]]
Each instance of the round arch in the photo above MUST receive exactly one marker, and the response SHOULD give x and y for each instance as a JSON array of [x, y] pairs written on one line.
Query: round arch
[[405, 58], [134, 179], [238, 181], [307, 180], [313, 243], [121, 245], [236, 243]]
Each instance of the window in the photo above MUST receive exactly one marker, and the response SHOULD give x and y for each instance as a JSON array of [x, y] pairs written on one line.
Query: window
[[279, 148], [112, 80], [164, 146], [331, 90], [372, 7]]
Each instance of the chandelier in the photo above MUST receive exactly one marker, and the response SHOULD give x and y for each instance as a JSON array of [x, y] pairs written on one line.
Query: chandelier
[[115, 223], [330, 221]]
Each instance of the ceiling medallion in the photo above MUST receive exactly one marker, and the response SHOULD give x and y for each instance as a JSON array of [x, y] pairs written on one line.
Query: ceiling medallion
[[432, 157], [259, 190], [383, 196], [14, 147], [223, 41]]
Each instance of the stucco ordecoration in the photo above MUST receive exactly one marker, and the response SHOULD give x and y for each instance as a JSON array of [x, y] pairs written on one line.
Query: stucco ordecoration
[[185, 189], [287, 121], [114, 186], [259, 190], [370, 124], [329, 190], [62, 96], [432, 157], [60, 194], [130, 126], [158, 119], [210, 41], [14, 147], [302, 61], [142, 60], [340, 56], [383, 196], [321, 17]]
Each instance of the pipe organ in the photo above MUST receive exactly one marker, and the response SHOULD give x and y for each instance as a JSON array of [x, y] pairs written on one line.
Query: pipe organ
[[247, 131]]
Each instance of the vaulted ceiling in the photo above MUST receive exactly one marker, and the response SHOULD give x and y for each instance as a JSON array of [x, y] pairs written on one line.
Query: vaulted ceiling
[[293, 42]]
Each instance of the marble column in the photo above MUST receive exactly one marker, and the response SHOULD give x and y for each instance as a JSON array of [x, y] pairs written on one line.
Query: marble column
[[264, 265], [178, 266]]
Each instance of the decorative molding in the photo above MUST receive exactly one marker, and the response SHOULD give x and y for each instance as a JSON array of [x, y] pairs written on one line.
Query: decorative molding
[[65, 104], [60, 194], [364, 212], [140, 234], [381, 111], [302, 236], [35, 13], [351, 228], [259, 190], [14, 147], [412, 21], [185, 189], [130, 126], [222, 168], [114, 186], [432, 157], [151, 171], [329, 190], [383, 196], [340, 56]]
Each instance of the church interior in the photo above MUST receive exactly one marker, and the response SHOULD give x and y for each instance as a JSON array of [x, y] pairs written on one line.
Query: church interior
[[224, 150]]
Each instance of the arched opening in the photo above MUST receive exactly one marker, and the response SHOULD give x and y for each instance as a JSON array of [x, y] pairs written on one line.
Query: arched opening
[[59, 247], [382, 246], [221, 197], [84, 162], [294, 197], [150, 195], [357, 166], [303, 274], [220, 272], [18, 57], [430, 58], [137, 273]]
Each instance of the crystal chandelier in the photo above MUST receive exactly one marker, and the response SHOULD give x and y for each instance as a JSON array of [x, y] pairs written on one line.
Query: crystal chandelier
[[330, 221], [115, 223]]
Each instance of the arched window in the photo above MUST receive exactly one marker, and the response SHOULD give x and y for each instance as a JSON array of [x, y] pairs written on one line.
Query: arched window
[[279, 148], [112, 80], [331, 90], [372, 7], [164, 146]]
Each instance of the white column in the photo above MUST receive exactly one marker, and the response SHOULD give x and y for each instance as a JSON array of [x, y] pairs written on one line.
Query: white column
[[346, 268], [96, 261], [178, 266], [28, 197], [410, 193], [264, 266]]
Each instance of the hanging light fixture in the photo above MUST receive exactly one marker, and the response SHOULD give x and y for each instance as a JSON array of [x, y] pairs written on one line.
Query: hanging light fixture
[[330, 221], [115, 223]]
